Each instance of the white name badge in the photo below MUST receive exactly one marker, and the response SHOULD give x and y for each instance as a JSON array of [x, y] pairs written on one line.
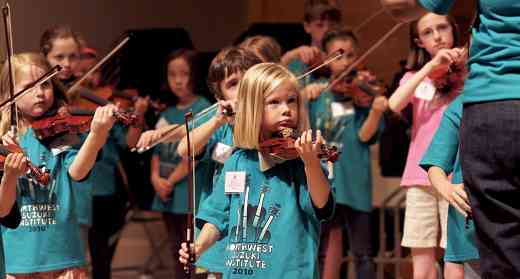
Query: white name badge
[[221, 152], [339, 109], [235, 182], [425, 91]]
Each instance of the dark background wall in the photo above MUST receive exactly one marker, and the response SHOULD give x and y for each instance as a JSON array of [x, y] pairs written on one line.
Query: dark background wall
[[212, 24]]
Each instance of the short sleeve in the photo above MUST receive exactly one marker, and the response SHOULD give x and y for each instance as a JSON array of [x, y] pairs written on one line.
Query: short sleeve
[[215, 209], [12, 220], [443, 149]]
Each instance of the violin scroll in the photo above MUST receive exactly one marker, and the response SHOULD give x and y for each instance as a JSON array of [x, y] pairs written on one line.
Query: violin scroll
[[41, 175]]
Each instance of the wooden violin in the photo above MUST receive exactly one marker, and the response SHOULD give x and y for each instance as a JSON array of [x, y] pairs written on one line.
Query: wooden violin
[[41, 175], [283, 146], [73, 121]]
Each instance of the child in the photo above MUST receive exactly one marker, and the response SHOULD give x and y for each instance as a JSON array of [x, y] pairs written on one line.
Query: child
[[61, 47], [432, 40], [168, 169], [318, 19], [442, 158], [352, 124], [13, 166], [264, 47], [214, 138], [47, 243], [268, 213], [106, 209]]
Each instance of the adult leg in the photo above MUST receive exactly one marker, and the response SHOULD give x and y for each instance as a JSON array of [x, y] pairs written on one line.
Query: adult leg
[[490, 156]]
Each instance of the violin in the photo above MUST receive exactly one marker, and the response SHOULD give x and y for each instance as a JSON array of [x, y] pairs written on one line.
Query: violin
[[73, 121], [282, 146], [41, 175]]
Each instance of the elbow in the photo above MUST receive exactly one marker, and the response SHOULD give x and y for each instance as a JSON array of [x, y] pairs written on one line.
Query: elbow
[[182, 150], [77, 175], [4, 210], [394, 106]]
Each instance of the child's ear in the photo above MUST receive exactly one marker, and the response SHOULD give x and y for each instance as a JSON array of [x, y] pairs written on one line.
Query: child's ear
[[418, 42], [307, 27]]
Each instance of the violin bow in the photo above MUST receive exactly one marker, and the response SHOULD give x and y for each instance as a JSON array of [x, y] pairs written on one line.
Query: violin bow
[[190, 224], [358, 61], [168, 132], [44, 78], [76, 84], [6, 14]]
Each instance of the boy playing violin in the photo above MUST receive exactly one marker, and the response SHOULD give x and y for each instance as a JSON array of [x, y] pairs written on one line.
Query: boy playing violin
[[350, 119]]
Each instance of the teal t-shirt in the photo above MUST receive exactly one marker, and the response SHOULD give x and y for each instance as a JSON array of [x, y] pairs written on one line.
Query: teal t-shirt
[[443, 152], [218, 148], [169, 159], [494, 62], [48, 236], [104, 171], [271, 228], [340, 121]]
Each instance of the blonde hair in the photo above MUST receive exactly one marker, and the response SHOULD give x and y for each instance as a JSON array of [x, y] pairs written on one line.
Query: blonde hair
[[256, 85], [18, 61]]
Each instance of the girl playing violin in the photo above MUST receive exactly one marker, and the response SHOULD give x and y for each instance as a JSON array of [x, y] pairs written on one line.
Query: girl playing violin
[[352, 120], [14, 166], [47, 243], [432, 58], [269, 211]]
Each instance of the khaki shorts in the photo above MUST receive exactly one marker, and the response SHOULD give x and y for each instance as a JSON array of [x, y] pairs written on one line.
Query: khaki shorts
[[425, 219], [69, 273]]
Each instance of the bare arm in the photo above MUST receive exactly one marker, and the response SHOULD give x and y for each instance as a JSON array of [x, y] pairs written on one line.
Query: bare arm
[[319, 187], [404, 10], [453, 193], [371, 124], [199, 137], [14, 167], [100, 127], [207, 237]]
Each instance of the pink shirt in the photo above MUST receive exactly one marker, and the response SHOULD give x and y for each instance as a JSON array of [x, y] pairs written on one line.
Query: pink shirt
[[426, 120]]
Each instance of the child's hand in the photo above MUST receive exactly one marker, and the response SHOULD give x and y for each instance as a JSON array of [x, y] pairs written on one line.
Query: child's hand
[[380, 104], [15, 165], [148, 138], [307, 54], [103, 120], [313, 90], [458, 198], [162, 187], [307, 149], [443, 60], [184, 256], [220, 116]]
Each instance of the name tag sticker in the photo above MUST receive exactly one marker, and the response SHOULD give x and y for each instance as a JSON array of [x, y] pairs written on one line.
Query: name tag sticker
[[235, 182], [425, 91], [221, 152]]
